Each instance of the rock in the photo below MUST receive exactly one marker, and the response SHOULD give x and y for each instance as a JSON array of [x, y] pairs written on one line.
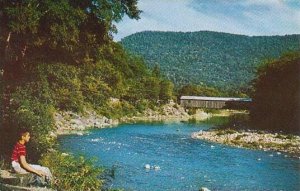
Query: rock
[[14, 179], [19, 182], [52, 134], [66, 121], [204, 189], [7, 187], [147, 166]]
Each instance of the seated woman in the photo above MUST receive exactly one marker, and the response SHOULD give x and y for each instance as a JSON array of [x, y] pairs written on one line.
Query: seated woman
[[19, 162]]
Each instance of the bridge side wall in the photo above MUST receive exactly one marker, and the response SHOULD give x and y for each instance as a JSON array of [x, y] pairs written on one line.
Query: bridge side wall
[[203, 104], [215, 104]]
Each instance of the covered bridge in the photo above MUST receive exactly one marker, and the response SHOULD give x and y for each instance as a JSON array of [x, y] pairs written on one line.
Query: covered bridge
[[215, 102]]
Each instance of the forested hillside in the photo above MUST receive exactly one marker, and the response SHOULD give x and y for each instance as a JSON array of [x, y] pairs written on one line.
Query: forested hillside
[[221, 60]]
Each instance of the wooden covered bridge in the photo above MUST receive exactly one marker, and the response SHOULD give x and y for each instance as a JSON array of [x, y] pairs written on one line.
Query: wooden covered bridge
[[215, 102]]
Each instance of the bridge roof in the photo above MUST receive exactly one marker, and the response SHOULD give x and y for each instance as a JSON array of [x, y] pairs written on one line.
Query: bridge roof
[[215, 98]]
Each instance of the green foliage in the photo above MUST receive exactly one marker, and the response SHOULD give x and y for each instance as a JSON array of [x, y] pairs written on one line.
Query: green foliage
[[65, 31], [212, 111], [118, 110], [59, 55], [192, 111], [152, 88], [46, 87], [73, 173], [27, 111], [65, 84], [166, 91], [219, 60], [196, 90], [276, 96]]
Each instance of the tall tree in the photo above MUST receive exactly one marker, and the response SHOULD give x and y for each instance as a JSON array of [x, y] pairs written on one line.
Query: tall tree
[[276, 103], [66, 29], [166, 91]]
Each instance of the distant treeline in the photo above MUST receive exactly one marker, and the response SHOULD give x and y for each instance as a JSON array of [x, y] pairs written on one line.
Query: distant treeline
[[220, 60]]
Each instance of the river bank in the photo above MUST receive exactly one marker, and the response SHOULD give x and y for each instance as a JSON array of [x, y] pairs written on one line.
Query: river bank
[[286, 144], [68, 122]]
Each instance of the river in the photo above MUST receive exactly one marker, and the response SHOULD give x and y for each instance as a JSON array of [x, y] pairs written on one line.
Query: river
[[182, 163]]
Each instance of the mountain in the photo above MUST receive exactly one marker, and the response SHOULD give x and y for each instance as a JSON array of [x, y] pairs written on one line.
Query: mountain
[[222, 60]]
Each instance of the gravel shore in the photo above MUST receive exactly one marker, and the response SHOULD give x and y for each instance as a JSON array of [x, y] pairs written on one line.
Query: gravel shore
[[289, 144]]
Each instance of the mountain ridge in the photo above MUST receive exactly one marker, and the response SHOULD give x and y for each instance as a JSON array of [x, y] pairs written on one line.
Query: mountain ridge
[[222, 60]]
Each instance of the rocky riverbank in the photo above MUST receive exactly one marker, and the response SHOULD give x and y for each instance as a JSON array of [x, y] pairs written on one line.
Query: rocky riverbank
[[289, 144], [67, 122], [170, 112]]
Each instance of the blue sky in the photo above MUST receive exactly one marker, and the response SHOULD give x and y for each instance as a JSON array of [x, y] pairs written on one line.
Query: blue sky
[[248, 17]]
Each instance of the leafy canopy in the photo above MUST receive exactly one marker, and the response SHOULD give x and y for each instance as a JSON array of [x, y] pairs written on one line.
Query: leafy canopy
[[276, 95], [66, 29]]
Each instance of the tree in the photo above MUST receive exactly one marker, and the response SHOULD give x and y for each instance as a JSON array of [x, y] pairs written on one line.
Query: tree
[[65, 29], [276, 95], [166, 90], [151, 88], [195, 90]]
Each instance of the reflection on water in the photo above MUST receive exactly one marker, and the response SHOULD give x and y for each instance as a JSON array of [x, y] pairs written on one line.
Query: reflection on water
[[182, 163]]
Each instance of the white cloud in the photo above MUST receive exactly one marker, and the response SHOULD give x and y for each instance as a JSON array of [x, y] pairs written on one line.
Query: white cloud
[[250, 17]]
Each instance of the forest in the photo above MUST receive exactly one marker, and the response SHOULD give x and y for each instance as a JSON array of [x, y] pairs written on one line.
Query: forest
[[220, 60]]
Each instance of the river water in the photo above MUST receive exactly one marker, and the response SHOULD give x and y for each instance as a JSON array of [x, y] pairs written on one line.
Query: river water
[[182, 163]]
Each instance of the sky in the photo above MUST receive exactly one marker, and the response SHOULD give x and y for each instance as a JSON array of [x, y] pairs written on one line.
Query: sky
[[247, 17]]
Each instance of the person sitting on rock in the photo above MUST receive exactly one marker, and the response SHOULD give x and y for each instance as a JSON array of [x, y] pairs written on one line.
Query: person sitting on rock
[[19, 162]]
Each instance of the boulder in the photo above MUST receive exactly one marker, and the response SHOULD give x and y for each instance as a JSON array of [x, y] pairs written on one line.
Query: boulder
[[204, 189], [11, 180]]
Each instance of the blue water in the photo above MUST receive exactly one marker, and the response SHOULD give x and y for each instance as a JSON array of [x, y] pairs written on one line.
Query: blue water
[[185, 163]]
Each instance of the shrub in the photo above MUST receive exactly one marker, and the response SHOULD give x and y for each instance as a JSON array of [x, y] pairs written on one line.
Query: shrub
[[192, 111], [72, 173]]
